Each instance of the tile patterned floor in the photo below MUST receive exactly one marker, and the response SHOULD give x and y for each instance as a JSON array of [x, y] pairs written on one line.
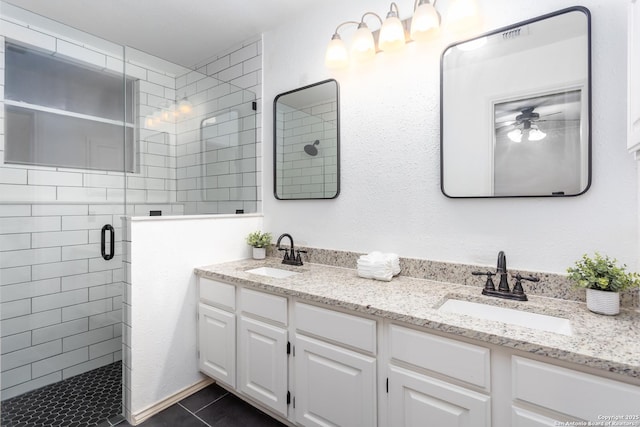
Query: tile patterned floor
[[81, 401], [93, 399], [212, 406]]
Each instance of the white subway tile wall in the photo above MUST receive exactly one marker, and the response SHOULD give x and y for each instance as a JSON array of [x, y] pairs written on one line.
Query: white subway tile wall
[[217, 148], [301, 175]]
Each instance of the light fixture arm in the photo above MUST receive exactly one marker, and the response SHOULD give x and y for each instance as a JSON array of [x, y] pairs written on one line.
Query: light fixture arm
[[336, 35], [421, 2], [370, 13], [391, 13]]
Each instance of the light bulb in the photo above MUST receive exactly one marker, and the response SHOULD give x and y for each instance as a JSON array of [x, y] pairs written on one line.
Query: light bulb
[[363, 46], [167, 113], [149, 123], [185, 107], [425, 23], [336, 55], [535, 134], [515, 135], [391, 34]]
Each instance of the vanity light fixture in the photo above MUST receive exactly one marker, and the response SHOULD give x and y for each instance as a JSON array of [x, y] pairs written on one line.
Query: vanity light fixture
[[394, 34], [169, 113], [391, 36]]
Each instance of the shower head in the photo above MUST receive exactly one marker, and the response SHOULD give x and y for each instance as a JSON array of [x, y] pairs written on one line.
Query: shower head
[[311, 149]]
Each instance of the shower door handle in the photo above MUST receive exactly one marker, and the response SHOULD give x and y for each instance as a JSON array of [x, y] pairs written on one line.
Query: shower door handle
[[112, 242]]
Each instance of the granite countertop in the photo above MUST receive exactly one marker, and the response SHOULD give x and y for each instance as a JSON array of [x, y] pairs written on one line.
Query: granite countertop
[[610, 343]]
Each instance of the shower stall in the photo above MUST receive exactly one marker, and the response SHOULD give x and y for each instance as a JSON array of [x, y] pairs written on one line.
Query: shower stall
[[95, 133]]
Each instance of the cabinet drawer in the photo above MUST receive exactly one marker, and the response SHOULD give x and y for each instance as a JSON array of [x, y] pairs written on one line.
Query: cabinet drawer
[[343, 328], [523, 418], [571, 392], [218, 294], [264, 305], [462, 361]]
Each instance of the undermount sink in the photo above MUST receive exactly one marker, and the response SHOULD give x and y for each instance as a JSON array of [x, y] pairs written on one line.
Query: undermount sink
[[272, 272], [525, 319]]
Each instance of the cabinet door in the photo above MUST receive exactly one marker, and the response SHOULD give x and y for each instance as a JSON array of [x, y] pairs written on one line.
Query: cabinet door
[[217, 340], [262, 363], [334, 386], [633, 77], [416, 400]]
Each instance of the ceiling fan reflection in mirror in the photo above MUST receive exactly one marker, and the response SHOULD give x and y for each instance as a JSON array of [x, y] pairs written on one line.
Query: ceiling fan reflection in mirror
[[524, 126], [521, 120]]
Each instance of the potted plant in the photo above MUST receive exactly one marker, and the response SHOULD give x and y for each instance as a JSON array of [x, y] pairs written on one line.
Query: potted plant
[[259, 241], [603, 279]]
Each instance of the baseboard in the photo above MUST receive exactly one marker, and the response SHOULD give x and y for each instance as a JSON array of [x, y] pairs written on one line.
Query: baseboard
[[164, 404]]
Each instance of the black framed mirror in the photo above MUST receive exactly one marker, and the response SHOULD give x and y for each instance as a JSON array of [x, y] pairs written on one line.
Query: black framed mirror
[[306, 142], [516, 110]]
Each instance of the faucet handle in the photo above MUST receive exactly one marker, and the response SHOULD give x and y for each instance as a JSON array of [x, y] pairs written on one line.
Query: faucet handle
[[488, 286], [517, 288], [483, 273], [286, 252], [519, 277], [298, 259]]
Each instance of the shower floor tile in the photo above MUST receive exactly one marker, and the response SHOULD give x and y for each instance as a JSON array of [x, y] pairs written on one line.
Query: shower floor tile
[[85, 400]]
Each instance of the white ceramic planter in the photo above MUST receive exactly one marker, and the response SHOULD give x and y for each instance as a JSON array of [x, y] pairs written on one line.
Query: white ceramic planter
[[259, 253], [603, 302]]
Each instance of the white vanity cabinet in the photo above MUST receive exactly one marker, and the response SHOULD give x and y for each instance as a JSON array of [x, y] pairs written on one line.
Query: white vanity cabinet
[[262, 349], [242, 341], [428, 377], [633, 78], [217, 331], [335, 368], [315, 366]]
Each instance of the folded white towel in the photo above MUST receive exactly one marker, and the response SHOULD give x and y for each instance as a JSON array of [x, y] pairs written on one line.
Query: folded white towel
[[378, 265]]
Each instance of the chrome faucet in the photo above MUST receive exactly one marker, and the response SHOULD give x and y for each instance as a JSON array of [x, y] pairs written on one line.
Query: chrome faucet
[[292, 258], [503, 290]]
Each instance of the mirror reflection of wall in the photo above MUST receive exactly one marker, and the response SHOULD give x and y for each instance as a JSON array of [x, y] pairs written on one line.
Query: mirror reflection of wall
[[527, 69], [306, 139]]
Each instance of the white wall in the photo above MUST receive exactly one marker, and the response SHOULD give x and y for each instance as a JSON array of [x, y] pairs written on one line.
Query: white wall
[[160, 301], [390, 191]]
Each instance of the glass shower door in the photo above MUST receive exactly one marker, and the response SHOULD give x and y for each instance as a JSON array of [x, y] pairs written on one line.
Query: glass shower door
[[68, 127]]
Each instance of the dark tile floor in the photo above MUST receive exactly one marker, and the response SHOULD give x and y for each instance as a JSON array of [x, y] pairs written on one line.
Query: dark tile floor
[[212, 406], [81, 401]]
